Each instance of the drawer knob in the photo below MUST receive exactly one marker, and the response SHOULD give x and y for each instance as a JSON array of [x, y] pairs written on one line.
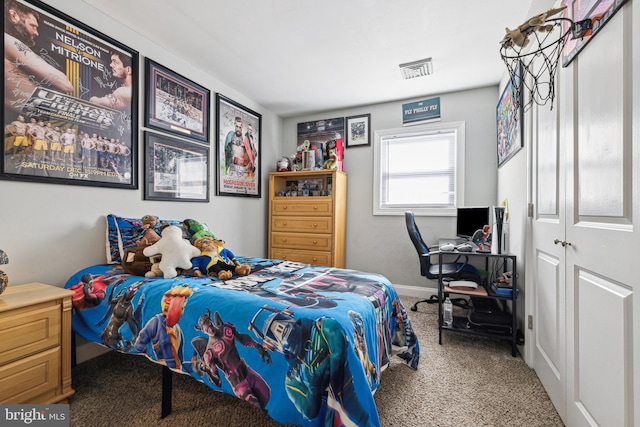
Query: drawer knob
[[315, 207], [284, 240], [315, 242], [315, 225], [284, 224], [315, 259], [284, 208]]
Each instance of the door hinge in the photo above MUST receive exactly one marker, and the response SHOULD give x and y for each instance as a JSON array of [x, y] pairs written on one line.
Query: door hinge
[[529, 322], [530, 210]]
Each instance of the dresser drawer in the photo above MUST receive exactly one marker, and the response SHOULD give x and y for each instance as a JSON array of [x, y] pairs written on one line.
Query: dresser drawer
[[307, 257], [302, 224], [319, 242], [320, 206], [31, 380], [29, 330]]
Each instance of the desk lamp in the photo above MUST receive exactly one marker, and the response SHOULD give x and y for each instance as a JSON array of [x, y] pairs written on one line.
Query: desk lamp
[[4, 280]]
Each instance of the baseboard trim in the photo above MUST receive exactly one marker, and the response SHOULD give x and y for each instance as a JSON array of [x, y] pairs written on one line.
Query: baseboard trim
[[415, 291], [88, 351]]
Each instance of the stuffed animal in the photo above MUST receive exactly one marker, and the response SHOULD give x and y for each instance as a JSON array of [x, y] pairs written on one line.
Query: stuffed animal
[[150, 236], [195, 230], [176, 252], [215, 260], [230, 258], [136, 263]]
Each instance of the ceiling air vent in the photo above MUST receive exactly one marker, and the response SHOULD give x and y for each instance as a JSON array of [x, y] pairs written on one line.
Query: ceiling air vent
[[422, 67]]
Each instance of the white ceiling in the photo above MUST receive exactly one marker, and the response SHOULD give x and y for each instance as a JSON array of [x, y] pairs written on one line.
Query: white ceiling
[[297, 57]]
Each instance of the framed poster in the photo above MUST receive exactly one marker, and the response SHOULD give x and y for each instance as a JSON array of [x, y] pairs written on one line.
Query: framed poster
[[175, 104], [322, 140], [359, 131], [509, 121], [239, 131], [593, 15], [175, 169], [70, 101]]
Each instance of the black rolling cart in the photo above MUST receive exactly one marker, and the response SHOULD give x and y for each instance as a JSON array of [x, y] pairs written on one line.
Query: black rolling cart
[[498, 287]]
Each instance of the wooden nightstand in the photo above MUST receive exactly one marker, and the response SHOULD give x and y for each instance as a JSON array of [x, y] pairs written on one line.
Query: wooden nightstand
[[35, 344]]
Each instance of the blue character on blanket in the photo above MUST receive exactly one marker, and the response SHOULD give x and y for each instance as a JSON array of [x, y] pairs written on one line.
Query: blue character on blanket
[[316, 351], [219, 351], [161, 335]]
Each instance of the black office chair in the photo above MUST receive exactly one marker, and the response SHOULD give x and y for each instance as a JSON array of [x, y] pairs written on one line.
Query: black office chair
[[450, 270]]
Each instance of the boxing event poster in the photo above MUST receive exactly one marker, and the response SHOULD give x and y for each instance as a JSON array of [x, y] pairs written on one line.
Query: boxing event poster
[[238, 149], [70, 101]]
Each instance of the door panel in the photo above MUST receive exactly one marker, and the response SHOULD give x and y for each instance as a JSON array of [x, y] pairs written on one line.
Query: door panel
[[549, 348], [603, 369]]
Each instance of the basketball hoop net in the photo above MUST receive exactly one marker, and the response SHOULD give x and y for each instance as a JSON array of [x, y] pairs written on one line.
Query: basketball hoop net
[[532, 66]]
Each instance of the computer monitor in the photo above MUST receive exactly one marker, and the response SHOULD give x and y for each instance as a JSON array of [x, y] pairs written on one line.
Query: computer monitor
[[470, 219]]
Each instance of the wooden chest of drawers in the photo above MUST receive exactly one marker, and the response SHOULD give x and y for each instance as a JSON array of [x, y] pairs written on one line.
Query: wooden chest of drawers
[[308, 228], [35, 344]]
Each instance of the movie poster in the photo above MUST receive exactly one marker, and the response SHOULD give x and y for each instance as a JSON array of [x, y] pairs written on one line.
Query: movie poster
[[238, 151], [70, 101]]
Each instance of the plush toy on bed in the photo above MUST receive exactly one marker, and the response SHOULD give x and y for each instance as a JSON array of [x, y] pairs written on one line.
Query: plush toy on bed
[[216, 260], [136, 263], [176, 252], [150, 235], [195, 230]]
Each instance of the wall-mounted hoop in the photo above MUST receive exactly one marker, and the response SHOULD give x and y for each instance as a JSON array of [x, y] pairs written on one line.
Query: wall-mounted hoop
[[538, 61]]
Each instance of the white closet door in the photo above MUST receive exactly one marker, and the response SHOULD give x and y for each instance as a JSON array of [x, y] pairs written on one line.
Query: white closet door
[[603, 217], [547, 304]]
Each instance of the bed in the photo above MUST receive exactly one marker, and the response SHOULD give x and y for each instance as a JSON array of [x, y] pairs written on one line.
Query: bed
[[307, 344]]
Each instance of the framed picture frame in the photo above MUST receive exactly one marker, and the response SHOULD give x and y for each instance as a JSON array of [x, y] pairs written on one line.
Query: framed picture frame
[[320, 145], [358, 130], [70, 106], [175, 104], [175, 169], [594, 13], [239, 134], [509, 114]]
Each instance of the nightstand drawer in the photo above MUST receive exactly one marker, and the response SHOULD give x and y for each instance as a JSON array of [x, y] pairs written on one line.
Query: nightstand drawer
[[307, 257], [302, 224], [321, 206], [319, 242], [34, 377], [29, 330]]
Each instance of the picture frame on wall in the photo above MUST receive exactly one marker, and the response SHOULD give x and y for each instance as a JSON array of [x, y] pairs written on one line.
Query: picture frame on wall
[[70, 106], [175, 104], [358, 129], [175, 169], [239, 139], [589, 17], [323, 142], [509, 115]]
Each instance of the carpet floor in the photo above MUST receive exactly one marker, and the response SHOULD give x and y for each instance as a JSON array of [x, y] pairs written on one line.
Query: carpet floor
[[466, 381]]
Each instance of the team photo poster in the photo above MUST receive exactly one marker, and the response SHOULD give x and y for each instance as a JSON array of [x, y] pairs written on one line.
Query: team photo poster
[[70, 101]]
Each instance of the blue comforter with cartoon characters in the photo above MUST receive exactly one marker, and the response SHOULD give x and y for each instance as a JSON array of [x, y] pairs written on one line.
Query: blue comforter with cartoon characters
[[305, 343]]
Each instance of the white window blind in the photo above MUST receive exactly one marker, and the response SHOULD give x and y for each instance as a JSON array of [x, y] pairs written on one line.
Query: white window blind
[[418, 169]]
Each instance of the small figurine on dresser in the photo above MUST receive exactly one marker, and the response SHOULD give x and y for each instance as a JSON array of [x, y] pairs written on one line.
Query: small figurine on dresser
[[284, 164]]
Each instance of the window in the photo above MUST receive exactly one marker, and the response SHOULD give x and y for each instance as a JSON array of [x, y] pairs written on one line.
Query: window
[[419, 168]]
